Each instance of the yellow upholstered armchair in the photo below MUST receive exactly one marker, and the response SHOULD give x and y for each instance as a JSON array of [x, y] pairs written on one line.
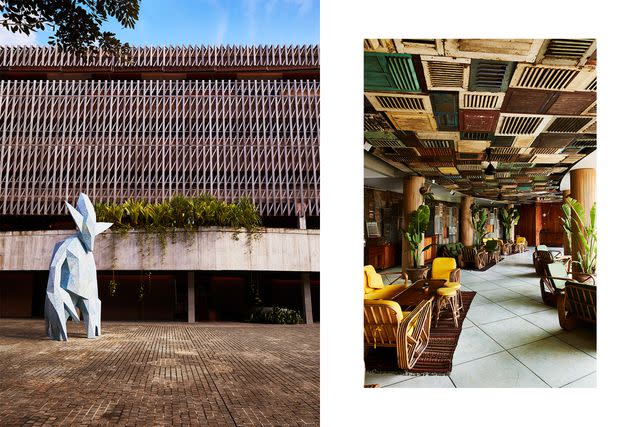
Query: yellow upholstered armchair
[[385, 325], [444, 268], [374, 287]]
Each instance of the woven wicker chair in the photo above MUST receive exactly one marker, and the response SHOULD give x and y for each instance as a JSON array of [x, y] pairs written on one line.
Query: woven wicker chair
[[554, 281], [472, 257], [385, 325], [506, 248], [493, 247], [576, 302], [543, 256], [520, 245]]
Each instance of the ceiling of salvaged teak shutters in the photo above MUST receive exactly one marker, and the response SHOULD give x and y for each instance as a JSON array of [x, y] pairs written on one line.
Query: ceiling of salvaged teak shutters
[[434, 106]]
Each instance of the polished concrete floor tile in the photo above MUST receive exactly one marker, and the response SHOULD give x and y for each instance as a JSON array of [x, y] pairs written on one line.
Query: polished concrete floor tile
[[547, 320], [479, 300], [581, 338], [384, 379], [585, 382], [498, 370], [426, 381], [486, 313], [497, 295], [556, 362], [481, 286], [514, 332], [523, 305], [474, 344]]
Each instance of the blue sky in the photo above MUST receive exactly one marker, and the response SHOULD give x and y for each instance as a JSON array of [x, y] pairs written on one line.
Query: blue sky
[[165, 22]]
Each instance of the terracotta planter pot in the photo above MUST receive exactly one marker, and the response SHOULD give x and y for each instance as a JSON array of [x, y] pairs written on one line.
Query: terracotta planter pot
[[417, 273]]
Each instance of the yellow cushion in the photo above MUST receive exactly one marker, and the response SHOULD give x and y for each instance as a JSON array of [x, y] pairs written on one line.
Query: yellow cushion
[[388, 292], [454, 285], [372, 279], [521, 240], [442, 267], [446, 291]]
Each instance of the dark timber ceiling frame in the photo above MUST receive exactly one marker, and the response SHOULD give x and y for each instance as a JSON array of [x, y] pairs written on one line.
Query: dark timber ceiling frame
[[434, 106]]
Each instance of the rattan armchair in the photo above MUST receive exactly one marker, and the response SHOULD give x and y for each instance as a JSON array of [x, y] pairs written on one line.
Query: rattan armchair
[[385, 325], [520, 245], [493, 248], [471, 257], [553, 281], [576, 302], [543, 256], [375, 288]]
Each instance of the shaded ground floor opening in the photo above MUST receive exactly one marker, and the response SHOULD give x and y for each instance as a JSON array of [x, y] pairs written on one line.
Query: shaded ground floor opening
[[160, 374], [163, 295]]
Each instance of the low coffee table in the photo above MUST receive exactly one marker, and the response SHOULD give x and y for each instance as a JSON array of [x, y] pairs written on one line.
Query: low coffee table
[[413, 295]]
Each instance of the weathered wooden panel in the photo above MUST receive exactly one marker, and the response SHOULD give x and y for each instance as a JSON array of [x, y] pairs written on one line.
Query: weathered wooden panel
[[571, 103], [553, 140], [389, 72], [417, 122], [445, 110], [528, 101], [442, 73], [478, 120], [496, 49]]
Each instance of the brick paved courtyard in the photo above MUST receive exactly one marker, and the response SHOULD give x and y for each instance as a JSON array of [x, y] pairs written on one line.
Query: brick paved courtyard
[[160, 374]]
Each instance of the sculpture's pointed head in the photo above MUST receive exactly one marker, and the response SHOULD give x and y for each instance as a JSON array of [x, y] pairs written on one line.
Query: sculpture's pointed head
[[85, 218]]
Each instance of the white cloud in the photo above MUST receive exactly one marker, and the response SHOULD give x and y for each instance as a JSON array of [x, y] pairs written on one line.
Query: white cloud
[[222, 26], [303, 6], [7, 38]]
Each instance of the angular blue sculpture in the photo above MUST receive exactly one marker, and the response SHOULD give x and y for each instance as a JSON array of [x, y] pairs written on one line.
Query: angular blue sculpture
[[72, 276]]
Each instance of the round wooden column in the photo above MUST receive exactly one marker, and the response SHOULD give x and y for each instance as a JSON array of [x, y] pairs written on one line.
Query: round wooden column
[[583, 189], [466, 225], [411, 199]]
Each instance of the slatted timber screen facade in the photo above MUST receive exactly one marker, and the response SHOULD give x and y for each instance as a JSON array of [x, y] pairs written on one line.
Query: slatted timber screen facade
[[152, 139], [165, 58]]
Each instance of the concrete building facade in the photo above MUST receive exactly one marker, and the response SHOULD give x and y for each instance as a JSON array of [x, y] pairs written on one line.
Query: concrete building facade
[[231, 121]]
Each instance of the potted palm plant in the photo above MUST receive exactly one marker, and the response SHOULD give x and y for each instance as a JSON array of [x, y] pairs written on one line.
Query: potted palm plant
[[414, 235], [479, 220], [582, 231], [509, 218]]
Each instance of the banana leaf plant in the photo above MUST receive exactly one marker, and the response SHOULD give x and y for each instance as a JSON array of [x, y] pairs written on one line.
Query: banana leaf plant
[[479, 219], [414, 234], [585, 235], [566, 224], [509, 218]]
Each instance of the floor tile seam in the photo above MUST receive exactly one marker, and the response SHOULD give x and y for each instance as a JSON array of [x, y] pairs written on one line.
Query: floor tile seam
[[531, 342], [520, 315], [576, 380], [399, 382], [530, 370]]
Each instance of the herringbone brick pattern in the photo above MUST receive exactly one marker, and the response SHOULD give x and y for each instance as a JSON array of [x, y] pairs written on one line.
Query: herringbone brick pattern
[[160, 374]]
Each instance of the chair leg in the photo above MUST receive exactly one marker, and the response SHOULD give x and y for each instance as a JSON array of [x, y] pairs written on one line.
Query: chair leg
[[454, 310]]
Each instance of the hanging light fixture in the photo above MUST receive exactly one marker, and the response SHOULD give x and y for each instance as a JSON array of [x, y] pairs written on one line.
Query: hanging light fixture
[[490, 169]]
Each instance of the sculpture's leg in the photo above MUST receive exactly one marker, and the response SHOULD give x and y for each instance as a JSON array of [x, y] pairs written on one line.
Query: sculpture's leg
[[91, 314], [56, 326]]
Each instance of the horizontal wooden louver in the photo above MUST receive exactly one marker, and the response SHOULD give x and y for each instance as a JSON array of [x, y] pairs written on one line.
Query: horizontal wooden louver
[[476, 136], [436, 143], [495, 49], [382, 139], [445, 73], [490, 76], [569, 124], [593, 85], [379, 45], [399, 102], [420, 46], [539, 77], [519, 125], [376, 122], [481, 100], [568, 48]]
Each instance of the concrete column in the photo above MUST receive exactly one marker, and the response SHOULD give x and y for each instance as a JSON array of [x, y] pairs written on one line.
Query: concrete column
[[411, 199], [565, 241], [306, 298], [466, 224], [583, 189], [191, 297]]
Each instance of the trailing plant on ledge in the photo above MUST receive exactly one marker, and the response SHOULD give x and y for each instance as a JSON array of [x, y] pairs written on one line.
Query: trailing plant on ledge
[[180, 212]]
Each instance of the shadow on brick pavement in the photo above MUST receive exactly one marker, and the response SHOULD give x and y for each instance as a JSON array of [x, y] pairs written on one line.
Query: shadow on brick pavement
[[160, 374]]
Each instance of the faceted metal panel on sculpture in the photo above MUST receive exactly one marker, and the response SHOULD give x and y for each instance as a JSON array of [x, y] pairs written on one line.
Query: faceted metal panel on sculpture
[[72, 276]]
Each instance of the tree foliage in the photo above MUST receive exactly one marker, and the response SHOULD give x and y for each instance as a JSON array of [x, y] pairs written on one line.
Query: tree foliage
[[76, 24], [509, 217]]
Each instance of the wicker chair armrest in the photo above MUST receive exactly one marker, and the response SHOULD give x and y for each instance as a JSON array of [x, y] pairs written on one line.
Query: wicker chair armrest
[[455, 275], [409, 348]]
